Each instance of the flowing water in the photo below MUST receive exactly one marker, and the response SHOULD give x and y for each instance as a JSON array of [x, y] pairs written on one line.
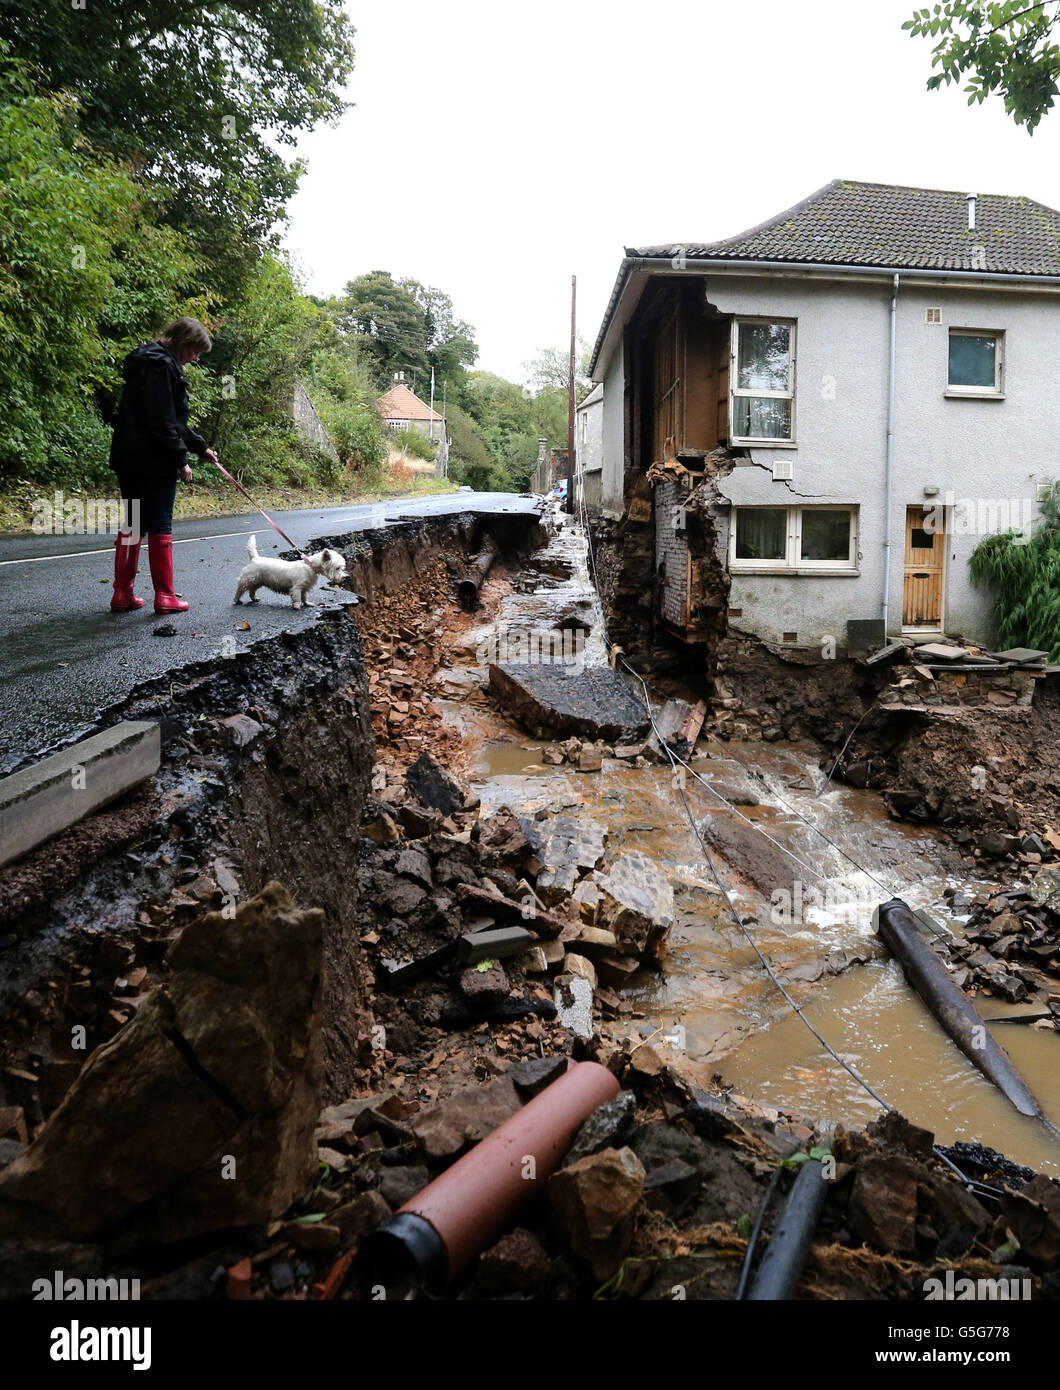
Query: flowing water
[[712, 1003]]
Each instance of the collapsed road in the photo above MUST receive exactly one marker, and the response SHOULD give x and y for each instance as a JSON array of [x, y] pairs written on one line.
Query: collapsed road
[[281, 926]]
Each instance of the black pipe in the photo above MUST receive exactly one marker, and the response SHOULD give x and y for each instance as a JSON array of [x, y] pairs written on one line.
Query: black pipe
[[898, 929], [782, 1265], [468, 587]]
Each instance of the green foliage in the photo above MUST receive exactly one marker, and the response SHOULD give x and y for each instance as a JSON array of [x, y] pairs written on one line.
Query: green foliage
[[470, 460], [342, 389], [1005, 47], [417, 444], [1025, 572], [83, 272], [199, 94], [243, 392]]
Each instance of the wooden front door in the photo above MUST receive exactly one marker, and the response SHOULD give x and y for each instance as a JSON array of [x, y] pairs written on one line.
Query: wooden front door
[[925, 551]]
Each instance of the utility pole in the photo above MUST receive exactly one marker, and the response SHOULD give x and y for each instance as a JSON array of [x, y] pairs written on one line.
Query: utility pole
[[570, 396], [430, 422], [445, 427]]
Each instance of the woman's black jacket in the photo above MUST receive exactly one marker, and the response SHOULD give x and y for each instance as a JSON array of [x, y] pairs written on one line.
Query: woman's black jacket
[[151, 434]]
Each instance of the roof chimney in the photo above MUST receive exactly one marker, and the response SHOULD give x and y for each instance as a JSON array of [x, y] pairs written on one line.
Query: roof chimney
[[971, 212]]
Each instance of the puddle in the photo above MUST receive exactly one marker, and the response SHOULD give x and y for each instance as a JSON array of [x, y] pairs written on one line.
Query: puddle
[[712, 1001]]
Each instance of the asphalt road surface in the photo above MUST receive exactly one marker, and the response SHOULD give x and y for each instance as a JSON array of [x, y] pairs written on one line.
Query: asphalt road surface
[[65, 656]]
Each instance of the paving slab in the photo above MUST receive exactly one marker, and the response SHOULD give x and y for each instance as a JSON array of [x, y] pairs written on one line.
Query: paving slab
[[554, 701]]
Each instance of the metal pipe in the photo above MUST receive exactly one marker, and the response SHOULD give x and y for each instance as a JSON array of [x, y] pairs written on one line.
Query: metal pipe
[[898, 929], [468, 587], [889, 469], [440, 1230], [782, 1265]]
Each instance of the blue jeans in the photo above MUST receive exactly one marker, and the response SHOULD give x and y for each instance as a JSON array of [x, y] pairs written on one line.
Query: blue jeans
[[149, 505]]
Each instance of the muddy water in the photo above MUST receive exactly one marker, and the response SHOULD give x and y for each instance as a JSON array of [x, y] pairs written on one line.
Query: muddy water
[[712, 1004]]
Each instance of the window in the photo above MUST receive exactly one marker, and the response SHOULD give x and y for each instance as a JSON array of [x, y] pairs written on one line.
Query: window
[[932, 315], [975, 362], [797, 540], [763, 381]]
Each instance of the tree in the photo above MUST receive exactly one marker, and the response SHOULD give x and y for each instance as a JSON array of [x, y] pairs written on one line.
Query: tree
[[388, 317], [449, 342], [408, 327], [84, 272], [1005, 47], [199, 93]]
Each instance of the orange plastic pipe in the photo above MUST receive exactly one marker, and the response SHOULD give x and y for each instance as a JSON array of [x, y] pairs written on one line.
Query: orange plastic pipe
[[470, 1204]]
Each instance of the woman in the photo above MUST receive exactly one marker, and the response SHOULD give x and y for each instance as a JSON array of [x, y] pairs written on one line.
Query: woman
[[149, 453]]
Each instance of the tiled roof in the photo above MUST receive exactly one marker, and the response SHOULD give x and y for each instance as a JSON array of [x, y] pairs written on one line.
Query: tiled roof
[[400, 403], [877, 224]]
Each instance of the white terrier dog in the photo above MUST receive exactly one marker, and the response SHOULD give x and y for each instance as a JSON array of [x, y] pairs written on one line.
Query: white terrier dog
[[294, 577]]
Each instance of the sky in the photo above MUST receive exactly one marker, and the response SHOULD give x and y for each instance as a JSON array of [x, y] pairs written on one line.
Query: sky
[[494, 151]]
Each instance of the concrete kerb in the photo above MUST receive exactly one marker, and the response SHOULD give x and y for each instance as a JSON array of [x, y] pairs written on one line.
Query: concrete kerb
[[47, 798]]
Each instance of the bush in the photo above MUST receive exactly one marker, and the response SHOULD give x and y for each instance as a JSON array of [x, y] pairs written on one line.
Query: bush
[[416, 444], [1026, 574]]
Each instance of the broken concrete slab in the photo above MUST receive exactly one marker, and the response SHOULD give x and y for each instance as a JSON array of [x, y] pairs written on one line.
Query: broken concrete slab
[[43, 800], [887, 653], [552, 701], [574, 1004], [525, 913], [1022, 656], [565, 847], [637, 905], [199, 1115]]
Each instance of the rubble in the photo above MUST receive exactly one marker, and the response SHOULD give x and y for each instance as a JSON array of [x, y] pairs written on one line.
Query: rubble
[[217, 1077]]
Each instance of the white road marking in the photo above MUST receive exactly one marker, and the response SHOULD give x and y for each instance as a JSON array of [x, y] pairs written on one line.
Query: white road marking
[[227, 535]]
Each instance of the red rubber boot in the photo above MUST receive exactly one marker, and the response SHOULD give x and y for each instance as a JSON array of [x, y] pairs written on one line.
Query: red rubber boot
[[126, 559], [160, 551]]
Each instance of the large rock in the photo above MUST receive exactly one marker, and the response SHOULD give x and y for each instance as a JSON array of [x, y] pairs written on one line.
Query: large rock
[[451, 1126], [552, 700], [637, 904], [199, 1114], [433, 786], [882, 1208], [593, 1202]]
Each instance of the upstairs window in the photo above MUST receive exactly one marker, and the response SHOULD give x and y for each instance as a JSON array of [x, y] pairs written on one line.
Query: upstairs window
[[976, 363], [763, 377]]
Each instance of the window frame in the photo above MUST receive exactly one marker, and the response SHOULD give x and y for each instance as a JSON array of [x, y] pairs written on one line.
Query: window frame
[[736, 392], [995, 392], [793, 564]]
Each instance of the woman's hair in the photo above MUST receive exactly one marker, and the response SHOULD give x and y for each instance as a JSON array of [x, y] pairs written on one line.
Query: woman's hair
[[185, 333]]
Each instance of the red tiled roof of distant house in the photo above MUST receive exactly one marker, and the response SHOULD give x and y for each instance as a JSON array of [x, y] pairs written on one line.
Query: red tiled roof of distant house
[[400, 403]]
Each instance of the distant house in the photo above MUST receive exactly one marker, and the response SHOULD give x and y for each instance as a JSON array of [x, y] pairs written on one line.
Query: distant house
[[403, 410], [857, 390], [588, 448]]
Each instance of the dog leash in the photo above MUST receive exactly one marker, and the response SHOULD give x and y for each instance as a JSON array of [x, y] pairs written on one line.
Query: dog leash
[[301, 554]]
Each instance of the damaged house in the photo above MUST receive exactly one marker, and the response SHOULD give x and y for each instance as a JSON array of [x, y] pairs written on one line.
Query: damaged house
[[807, 428]]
